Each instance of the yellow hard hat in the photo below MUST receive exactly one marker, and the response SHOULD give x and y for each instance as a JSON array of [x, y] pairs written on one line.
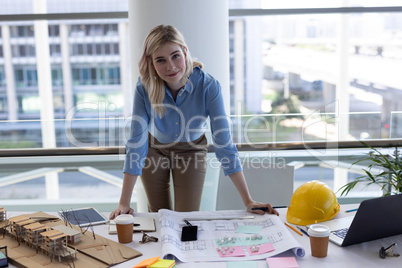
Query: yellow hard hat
[[312, 202]]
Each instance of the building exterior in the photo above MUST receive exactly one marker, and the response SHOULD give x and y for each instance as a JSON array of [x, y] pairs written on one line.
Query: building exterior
[[91, 75], [89, 87], [85, 65]]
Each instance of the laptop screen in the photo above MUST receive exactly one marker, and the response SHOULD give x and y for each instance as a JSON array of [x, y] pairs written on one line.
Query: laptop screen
[[376, 218]]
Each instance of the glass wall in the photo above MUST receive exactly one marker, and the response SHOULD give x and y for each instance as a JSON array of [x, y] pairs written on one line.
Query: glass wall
[[300, 72], [340, 67]]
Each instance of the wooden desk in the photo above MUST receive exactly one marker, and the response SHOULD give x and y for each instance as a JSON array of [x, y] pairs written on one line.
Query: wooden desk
[[360, 255]]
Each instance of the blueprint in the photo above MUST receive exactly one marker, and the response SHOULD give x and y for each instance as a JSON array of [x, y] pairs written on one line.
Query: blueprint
[[219, 239]]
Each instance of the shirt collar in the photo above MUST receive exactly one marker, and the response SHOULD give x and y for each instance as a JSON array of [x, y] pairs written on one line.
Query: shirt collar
[[189, 87], [193, 79]]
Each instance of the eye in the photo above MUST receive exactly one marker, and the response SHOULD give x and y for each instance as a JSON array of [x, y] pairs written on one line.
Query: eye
[[160, 60], [175, 56]]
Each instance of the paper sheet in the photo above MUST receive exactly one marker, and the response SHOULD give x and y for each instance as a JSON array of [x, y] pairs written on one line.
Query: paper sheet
[[282, 262], [273, 231]]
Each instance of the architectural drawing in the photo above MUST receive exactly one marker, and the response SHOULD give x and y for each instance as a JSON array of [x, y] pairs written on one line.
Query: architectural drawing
[[211, 228]]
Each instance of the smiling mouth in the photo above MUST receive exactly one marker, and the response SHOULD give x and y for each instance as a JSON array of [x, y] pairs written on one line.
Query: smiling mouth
[[174, 74]]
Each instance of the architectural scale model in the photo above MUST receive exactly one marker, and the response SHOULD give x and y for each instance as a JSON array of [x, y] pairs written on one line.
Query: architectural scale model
[[52, 241], [37, 239], [3, 256], [3, 214]]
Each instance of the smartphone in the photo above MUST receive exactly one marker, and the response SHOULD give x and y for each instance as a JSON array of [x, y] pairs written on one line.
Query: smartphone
[[189, 233]]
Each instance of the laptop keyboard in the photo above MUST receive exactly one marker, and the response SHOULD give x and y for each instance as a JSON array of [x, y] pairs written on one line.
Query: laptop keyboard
[[341, 232]]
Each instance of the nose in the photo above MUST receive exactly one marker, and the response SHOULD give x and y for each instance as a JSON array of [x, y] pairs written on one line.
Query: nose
[[170, 65]]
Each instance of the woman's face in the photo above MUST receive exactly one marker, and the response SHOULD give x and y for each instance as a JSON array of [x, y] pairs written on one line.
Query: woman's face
[[169, 62]]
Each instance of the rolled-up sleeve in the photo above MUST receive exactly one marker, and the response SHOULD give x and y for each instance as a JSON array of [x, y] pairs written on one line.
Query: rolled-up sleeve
[[137, 144], [225, 150]]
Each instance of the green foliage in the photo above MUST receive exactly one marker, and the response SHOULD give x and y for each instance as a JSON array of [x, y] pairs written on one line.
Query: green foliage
[[288, 106], [319, 47], [18, 145], [391, 174], [271, 96]]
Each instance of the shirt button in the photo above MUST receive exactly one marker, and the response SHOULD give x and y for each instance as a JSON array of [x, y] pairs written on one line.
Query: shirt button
[[177, 123]]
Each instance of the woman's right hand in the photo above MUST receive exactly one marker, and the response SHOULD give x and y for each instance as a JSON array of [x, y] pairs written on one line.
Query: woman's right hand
[[121, 209]]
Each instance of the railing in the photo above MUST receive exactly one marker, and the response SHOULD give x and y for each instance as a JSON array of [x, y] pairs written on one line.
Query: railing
[[232, 12], [74, 166], [268, 146]]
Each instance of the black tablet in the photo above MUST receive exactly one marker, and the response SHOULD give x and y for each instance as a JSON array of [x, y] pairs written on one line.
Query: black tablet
[[83, 216]]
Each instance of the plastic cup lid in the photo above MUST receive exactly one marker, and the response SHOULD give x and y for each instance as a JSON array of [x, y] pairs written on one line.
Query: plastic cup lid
[[124, 219], [318, 230]]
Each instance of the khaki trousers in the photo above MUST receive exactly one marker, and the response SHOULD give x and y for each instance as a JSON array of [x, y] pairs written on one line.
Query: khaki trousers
[[186, 161]]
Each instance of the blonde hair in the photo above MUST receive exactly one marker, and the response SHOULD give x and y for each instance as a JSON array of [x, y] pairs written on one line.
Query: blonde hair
[[154, 85]]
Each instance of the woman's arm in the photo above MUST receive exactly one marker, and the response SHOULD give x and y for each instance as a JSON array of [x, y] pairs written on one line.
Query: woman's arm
[[225, 150], [136, 150], [241, 185], [125, 198]]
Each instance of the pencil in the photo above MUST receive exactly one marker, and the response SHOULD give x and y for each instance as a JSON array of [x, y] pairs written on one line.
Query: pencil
[[350, 210], [293, 228], [304, 232]]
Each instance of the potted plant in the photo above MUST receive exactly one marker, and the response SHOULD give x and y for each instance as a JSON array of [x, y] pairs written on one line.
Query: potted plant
[[389, 178]]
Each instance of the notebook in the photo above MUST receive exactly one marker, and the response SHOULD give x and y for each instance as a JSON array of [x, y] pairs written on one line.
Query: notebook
[[146, 224], [376, 218]]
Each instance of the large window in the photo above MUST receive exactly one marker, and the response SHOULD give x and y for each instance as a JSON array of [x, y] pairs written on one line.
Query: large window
[[57, 76], [94, 30], [22, 31], [26, 76], [93, 49], [313, 77], [300, 71], [2, 78], [96, 75], [295, 75]]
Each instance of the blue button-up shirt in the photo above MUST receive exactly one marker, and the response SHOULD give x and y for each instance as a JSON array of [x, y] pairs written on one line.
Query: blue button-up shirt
[[185, 120]]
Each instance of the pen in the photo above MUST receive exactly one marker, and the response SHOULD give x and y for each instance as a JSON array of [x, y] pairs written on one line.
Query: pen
[[293, 228], [112, 222], [266, 208], [350, 210], [304, 232], [262, 208]]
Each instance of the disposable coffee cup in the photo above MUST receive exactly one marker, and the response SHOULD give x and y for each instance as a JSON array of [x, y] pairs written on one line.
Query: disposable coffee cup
[[125, 228], [319, 239]]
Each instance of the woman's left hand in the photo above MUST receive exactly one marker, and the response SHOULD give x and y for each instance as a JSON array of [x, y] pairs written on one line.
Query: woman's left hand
[[264, 207]]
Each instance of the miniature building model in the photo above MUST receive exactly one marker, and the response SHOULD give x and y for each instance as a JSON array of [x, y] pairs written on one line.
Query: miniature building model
[[17, 225], [3, 214], [33, 233], [44, 234], [55, 244], [73, 236], [52, 241]]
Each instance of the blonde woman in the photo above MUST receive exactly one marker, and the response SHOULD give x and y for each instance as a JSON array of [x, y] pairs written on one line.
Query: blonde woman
[[173, 99]]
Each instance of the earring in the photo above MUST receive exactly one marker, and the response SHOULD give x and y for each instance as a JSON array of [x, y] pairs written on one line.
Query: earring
[[154, 77]]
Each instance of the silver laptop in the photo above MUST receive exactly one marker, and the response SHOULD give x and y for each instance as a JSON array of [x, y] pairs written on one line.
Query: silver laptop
[[376, 218]]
